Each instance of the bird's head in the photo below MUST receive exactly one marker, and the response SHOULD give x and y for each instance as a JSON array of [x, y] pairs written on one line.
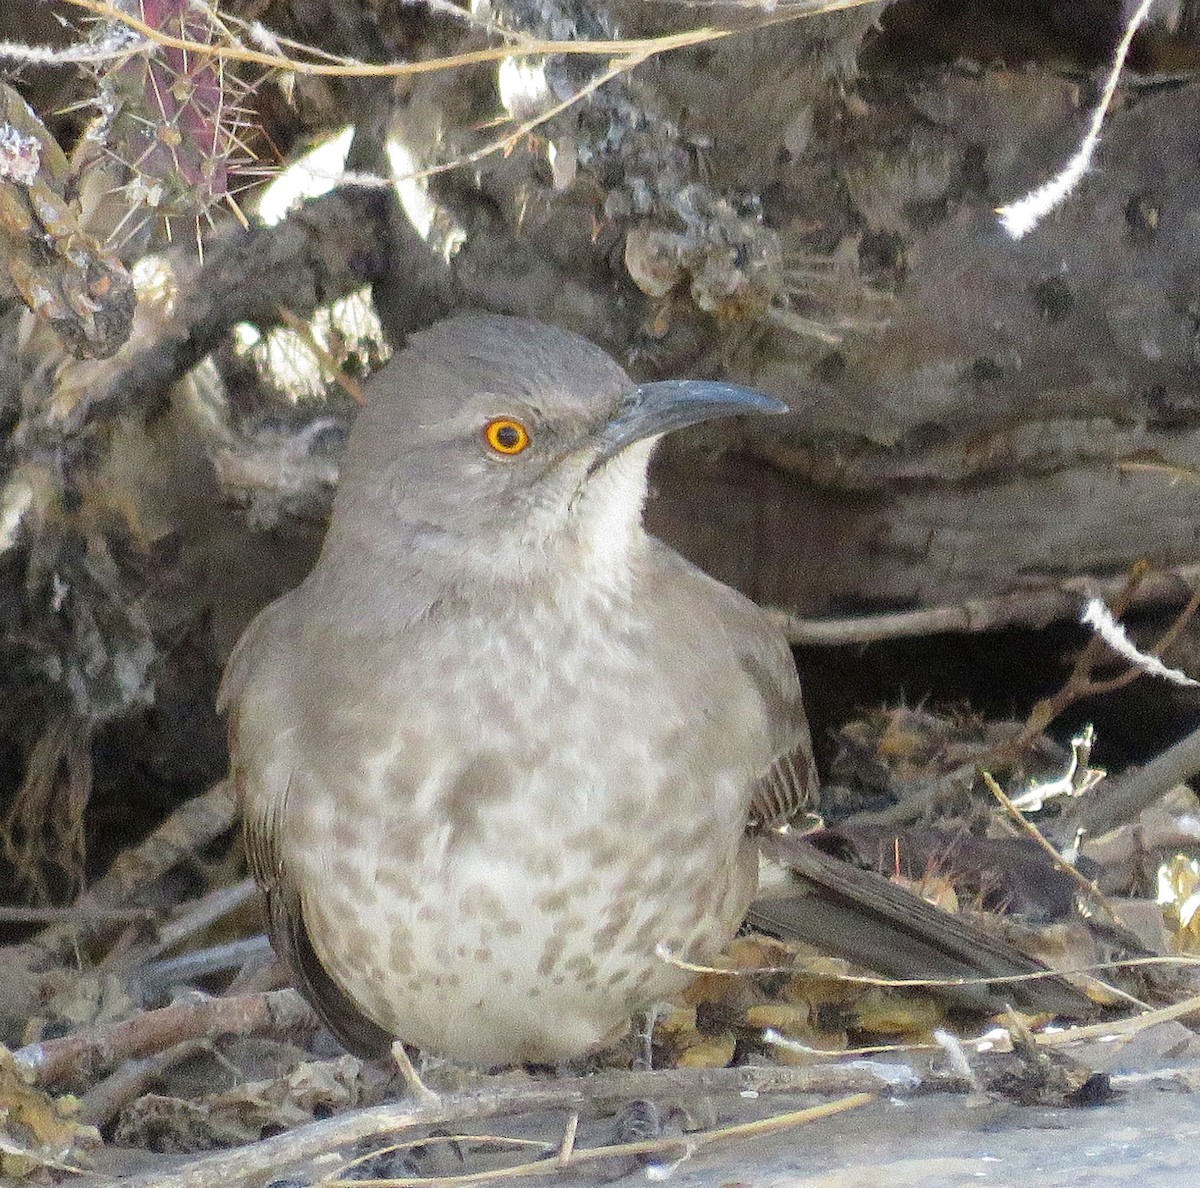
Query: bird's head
[[505, 446]]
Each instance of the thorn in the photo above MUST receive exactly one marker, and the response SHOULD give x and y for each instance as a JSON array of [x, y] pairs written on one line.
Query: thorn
[[238, 213]]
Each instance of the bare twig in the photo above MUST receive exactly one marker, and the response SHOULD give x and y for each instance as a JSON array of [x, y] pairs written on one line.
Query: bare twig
[[102, 909], [1089, 889], [74, 914], [509, 141], [1022, 608], [580, 1157], [1099, 618], [279, 1011], [251, 1165], [189, 828], [1120, 800], [132, 1079], [1104, 807], [798, 970], [568, 1139], [1120, 1028], [201, 963], [204, 911], [1080, 683], [640, 47]]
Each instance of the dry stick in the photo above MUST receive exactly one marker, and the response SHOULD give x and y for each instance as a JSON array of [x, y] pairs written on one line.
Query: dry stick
[[273, 40], [1093, 893], [799, 970], [688, 1143], [642, 47], [983, 980], [134, 1078], [509, 141], [1119, 1028], [192, 917], [1130, 1024], [1164, 641], [568, 1139], [1112, 1030], [1078, 684], [354, 69], [249, 1166], [1185, 616], [189, 967], [81, 1054], [206, 910], [75, 914], [477, 1141], [624, 57], [193, 825], [1117, 801], [1024, 608], [1109, 806]]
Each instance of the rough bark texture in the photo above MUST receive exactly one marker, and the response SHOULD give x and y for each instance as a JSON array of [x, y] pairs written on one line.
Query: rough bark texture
[[1029, 408]]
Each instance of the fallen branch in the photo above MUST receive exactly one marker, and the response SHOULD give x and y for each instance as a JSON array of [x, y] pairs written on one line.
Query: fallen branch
[[193, 825], [251, 1165], [1117, 801], [1021, 608], [104, 1101], [101, 910], [571, 1156], [95, 1048]]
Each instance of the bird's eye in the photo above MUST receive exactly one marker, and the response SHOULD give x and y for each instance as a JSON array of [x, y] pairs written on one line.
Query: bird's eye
[[506, 436]]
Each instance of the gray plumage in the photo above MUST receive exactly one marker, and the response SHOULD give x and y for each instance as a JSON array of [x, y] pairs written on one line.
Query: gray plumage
[[503, 752], [502, 745]]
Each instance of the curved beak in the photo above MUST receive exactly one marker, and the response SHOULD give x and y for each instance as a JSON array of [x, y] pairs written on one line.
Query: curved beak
[[662, 407]]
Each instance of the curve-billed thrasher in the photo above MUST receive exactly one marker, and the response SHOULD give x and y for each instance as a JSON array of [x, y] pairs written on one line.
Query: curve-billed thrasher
[[503, 749]]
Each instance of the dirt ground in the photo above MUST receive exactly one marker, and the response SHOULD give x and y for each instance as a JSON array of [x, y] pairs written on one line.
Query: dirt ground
[[1148, 1135], [1147, 1126]]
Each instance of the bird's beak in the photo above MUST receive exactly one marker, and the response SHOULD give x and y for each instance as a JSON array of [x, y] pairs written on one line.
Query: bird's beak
[[662, 407]]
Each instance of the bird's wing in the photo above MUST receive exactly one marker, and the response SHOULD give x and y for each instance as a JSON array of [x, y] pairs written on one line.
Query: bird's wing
[[291, 942], [786, 791], [786, 782], [788, 785], [262, 792]]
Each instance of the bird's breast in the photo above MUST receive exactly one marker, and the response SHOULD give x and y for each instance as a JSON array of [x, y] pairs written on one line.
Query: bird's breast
[[522, 828]]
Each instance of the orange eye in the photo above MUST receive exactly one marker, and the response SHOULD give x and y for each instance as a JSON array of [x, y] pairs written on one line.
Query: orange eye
[[507, 436]]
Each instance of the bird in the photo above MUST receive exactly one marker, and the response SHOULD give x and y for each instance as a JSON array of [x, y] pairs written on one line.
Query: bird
[[505, 760]]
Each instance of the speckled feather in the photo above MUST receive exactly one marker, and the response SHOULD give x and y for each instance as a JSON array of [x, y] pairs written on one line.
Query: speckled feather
[[502, 746]]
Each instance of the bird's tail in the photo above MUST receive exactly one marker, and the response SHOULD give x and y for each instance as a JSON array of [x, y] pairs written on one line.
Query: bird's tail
[[861, 916]]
